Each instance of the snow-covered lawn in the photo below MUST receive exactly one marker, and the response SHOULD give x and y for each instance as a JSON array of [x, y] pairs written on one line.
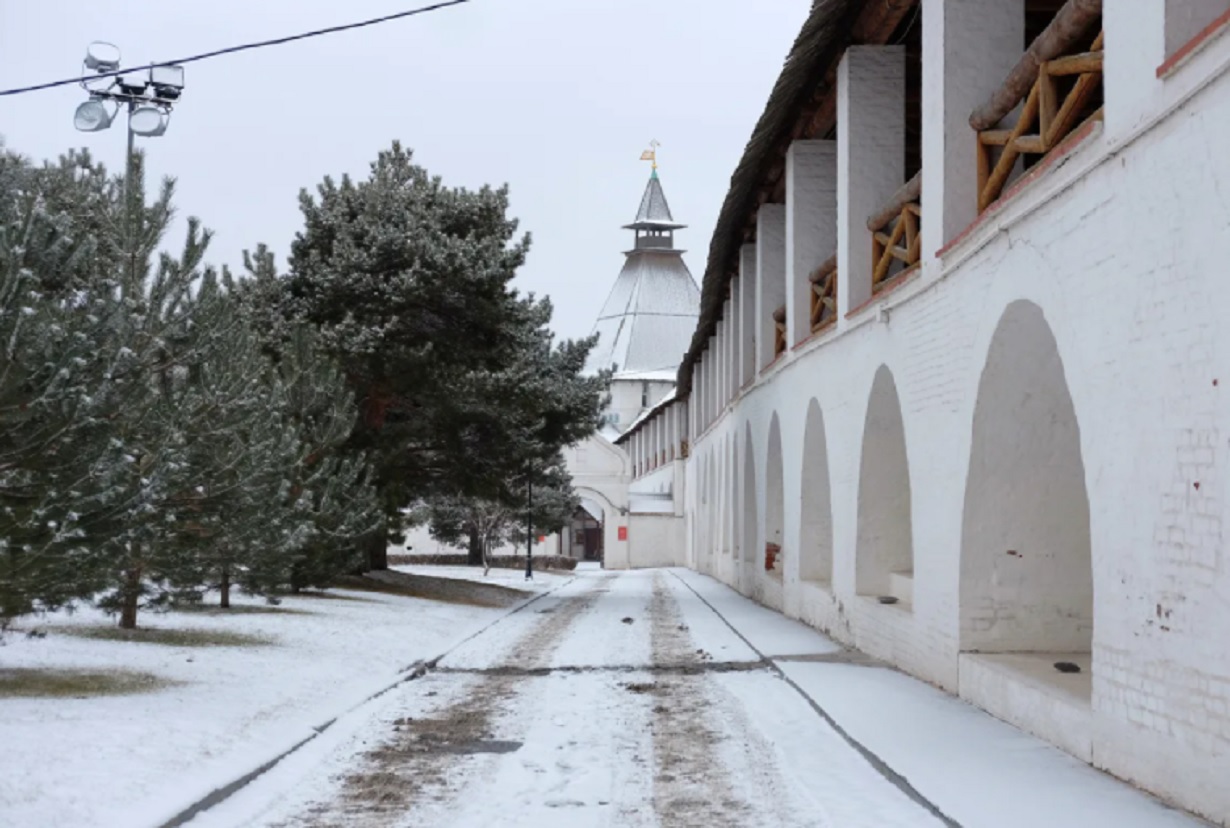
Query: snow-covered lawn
[[139, 759], [512, 578]]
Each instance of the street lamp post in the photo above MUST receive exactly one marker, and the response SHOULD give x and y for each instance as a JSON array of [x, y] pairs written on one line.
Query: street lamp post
[[148, 95]]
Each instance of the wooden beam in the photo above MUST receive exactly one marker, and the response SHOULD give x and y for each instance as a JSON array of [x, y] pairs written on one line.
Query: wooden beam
[[821, 273], [907, 193], [1064, 32], [1078, 64], [873, 25], [1003, 168]]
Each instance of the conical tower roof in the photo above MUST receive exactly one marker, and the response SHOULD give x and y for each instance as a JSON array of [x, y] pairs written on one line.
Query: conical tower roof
[[654, 212], [647, 322]]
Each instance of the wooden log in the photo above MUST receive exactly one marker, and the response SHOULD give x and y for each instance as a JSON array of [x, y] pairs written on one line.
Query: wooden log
[[1003, 168], [818, 275], [908, 193], [1033, 144], [1070, 24], [1065, 118], [1078, 64], [995, 137]]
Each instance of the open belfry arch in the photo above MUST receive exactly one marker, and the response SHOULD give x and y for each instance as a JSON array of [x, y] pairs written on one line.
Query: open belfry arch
[[962, 332]]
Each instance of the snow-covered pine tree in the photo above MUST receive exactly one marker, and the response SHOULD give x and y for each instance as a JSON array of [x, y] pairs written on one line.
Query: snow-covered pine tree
[[509, 424], [149, 480], [241, 450], [50, 430], [332, 487], [407, 282]]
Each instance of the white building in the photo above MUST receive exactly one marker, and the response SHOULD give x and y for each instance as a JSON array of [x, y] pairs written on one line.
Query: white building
[[644, 328], [984, 419]]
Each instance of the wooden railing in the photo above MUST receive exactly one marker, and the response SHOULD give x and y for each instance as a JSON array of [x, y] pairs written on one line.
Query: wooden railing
[[895, 233], [824, 294], [779, 331], [1054, 106]]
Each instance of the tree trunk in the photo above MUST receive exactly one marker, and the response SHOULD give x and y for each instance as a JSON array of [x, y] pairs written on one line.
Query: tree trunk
[[476, 553], [225, 588], [130, 595], [378, 550], [486, 556]]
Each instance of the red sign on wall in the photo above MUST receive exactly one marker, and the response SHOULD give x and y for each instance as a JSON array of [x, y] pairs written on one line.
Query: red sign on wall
[[623, 533]]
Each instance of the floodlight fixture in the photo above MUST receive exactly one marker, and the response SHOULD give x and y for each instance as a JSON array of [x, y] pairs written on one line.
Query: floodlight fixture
[[133, 84], [148, 120], [92, 116], [102, 56], [167, 81]]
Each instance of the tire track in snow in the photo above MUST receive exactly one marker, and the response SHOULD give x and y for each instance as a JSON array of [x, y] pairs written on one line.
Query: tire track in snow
[[691, 786], [421, 757]]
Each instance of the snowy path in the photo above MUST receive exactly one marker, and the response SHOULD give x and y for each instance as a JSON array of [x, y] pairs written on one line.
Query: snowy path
[[663, 698]]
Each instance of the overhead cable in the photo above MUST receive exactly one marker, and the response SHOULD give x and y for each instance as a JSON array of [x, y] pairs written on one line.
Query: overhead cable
[[244, 47]]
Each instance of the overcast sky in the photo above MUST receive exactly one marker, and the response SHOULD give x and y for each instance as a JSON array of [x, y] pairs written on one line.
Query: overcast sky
[[556, 98]]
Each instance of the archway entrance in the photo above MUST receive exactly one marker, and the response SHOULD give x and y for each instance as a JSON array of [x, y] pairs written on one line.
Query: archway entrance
[[884, 561], [1026, 565], [585, 531], [599, 506]]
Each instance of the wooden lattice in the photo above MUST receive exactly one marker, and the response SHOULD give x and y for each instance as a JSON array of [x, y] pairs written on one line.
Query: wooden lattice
[[895, 235], [779, 331], [823, 294], [1051, 112]]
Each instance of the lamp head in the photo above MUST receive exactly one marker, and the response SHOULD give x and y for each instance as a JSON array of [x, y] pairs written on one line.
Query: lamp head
[[102, 57], [167, 81], [92, 116], [148, 121]]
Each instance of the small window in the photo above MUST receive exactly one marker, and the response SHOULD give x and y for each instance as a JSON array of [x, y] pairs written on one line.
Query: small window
[[644, 395]]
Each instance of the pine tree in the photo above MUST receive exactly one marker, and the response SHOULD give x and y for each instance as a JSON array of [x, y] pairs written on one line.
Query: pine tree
[[454, 373], [152, 443], [329, 487], [50, 429]]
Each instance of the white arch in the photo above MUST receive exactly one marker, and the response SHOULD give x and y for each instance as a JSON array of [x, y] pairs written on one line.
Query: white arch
[[815, 543], [614, 551], [774, 503], [1026, 557], [884, 558], [749, 513]]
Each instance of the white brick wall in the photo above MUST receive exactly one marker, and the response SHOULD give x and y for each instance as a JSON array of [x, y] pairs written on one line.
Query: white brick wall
[[1121, 248]]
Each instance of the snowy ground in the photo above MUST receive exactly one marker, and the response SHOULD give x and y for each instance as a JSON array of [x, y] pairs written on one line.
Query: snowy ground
[[135, 760], [663, 698], [511, 578]]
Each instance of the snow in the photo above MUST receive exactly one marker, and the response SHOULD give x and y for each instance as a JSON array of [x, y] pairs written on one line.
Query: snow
[[544, 579], [591, 752], [140, 759], [770, 632], [599, 687], [977, 769]]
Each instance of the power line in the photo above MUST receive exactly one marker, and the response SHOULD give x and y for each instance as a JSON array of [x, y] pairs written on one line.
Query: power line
[[230, 49]]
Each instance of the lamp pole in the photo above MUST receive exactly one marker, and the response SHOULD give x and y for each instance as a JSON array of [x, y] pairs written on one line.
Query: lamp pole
[[130, 170], [147, 94]]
